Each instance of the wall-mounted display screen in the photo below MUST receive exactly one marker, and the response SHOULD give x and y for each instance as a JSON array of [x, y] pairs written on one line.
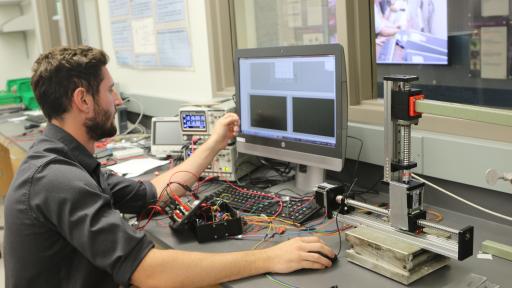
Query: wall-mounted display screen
[[411, 31]]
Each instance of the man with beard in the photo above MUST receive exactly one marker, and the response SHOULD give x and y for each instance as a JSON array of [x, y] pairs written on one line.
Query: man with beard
[[62, 224]]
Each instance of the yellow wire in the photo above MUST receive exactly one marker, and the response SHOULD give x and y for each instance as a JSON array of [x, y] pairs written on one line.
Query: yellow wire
[[262, 240]]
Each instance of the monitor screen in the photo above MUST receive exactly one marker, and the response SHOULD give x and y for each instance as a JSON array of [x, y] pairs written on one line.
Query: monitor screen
[[166, 136], [167, 133], [193, 121], [411, 31], [292, 104]]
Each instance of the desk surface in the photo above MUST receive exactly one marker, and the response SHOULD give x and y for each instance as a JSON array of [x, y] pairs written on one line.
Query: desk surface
[[12, 139], [345, 274], [13, 130]]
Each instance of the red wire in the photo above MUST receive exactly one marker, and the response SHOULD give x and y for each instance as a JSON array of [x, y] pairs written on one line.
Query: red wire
[[198, 184], [260, 194], [153, 209], [159, 208]]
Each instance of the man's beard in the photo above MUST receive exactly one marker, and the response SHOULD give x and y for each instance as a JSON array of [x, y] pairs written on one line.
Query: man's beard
[[101, 125]]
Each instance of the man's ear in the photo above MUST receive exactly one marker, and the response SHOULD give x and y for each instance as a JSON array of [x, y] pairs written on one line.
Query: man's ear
[[82, 100]]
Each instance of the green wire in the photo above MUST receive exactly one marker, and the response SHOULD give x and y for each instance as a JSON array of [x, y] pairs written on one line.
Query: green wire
[[279, 282]]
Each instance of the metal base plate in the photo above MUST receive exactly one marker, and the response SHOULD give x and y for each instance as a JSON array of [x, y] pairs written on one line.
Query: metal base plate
[[404, 277], [387, 255]]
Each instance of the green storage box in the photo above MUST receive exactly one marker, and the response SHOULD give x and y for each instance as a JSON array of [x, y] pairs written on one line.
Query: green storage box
[[19, 91], [9, 98], [13, 83], [27, 95]]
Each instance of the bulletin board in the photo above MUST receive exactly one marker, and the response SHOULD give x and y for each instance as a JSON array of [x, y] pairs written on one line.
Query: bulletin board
[[151, 33], [490, 51]]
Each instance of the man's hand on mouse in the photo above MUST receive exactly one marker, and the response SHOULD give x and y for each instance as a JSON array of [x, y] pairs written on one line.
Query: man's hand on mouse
[[300, 253]]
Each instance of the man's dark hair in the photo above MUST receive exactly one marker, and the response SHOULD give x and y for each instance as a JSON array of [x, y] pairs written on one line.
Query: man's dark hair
[[59, 72]]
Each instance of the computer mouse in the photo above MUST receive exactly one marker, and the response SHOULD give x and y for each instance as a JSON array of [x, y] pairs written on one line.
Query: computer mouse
[[333, 259]]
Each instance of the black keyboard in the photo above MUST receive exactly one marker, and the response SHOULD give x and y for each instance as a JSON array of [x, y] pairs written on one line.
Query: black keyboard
[[297, 210]]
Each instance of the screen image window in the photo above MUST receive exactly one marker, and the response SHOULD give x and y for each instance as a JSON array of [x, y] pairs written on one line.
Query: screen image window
[[268, 112], [278, 102], [411, 31], [194, 121], [323, 122]]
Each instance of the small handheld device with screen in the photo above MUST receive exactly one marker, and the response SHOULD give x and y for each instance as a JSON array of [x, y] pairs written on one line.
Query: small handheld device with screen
[[166, 137]]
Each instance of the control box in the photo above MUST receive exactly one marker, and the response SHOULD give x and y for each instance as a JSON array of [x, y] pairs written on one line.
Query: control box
[[197, 124], [227, 165], [200, 119], [209, 219]]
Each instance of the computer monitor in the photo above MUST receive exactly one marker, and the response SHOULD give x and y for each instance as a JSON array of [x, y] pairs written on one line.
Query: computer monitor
[[292, 103], [166, 138]]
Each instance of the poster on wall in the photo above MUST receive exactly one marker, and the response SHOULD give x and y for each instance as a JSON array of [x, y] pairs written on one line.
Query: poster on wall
[[150, 33], [493, 50], [490, 51], [495, 8]]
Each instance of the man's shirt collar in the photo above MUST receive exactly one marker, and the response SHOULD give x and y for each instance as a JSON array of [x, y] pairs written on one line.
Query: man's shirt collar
[[75, 148]]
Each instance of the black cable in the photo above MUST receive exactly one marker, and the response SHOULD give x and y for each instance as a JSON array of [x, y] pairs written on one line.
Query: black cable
[[373, 186], [359, 193], [288, 189], [339, 211], [358, 155], [352, 186], [281, 171], [339, 231], [265, 182]]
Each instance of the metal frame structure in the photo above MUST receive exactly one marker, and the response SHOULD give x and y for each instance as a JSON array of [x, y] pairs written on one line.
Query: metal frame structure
[[406, 218]]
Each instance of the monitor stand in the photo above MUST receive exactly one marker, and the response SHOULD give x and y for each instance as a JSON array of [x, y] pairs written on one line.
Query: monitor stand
[[307, 177]]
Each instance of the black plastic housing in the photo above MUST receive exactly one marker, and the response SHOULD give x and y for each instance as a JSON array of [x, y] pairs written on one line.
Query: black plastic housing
[[203, 225], [465, 241], [206, 231], [326, 198], [400, 104]]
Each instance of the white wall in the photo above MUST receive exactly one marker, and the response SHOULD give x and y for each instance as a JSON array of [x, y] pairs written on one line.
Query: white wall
[[89, 22], [454, 158], [195, 85], [33, 43], [15, 63]]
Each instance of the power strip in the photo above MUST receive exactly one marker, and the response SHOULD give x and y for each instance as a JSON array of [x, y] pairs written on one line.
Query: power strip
[[128, 152]]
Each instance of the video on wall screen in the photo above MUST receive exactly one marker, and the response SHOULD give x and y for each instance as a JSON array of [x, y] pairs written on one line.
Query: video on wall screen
[[411, 31]]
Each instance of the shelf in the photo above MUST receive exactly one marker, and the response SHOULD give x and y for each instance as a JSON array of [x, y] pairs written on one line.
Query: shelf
[[18, 24]]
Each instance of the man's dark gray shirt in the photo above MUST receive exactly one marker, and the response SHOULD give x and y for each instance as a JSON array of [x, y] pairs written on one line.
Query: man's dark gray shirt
[[62, 221]]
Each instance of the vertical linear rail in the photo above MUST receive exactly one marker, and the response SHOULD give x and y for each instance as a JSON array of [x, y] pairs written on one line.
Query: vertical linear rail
[[467, 112], [388, 128], [405, 150]]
